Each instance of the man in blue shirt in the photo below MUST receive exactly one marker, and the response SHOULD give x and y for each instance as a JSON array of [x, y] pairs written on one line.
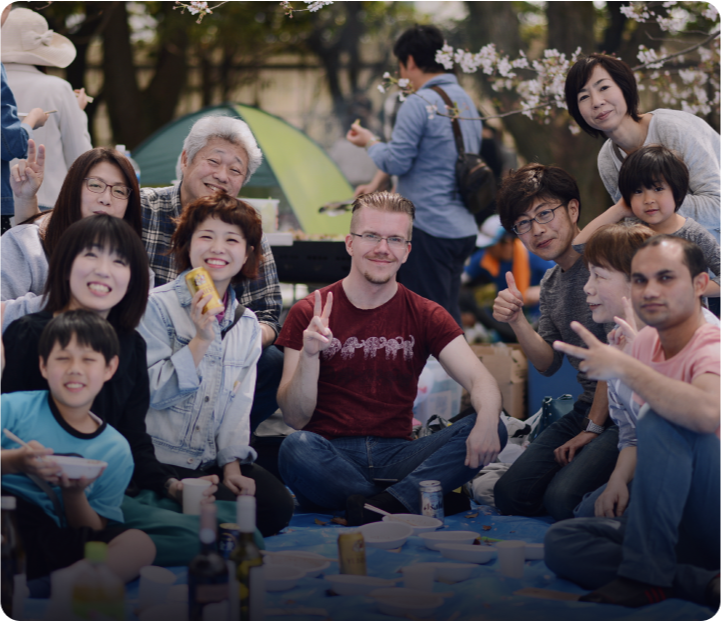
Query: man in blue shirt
[[422, 153]]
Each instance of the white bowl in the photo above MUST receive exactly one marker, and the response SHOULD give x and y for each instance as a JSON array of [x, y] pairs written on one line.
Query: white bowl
[[448, 536], [312, 564], [76, 467], [281, 577], [534, 551], [405, 602], [386, 535], [450, 572], [419, 523], [347, 584], [467, 553]]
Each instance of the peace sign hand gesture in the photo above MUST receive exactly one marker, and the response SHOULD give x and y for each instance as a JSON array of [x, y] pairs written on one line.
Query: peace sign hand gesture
[[318, 336], [26, 176], [599, 361]]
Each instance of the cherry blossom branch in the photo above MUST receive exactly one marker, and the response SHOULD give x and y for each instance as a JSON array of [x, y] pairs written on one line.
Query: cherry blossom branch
[[659, 62]]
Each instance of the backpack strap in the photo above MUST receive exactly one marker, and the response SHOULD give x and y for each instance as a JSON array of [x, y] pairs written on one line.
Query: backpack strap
[[239, 312], [454, 122]]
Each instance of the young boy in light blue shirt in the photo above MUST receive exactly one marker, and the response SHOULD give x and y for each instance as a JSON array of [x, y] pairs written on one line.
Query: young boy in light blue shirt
[[57, 515]]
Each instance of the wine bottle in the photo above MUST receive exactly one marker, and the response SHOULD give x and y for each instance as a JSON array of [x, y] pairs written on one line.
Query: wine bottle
[[13, 561], [248, 564], [207, 572]]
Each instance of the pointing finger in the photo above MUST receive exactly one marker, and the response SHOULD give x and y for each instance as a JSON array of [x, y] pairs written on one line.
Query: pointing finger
[[571, 350], [328, 306], [318, 305], [585, 334]]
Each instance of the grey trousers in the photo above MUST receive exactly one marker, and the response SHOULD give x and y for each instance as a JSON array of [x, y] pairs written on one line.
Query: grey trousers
[[589, 552]]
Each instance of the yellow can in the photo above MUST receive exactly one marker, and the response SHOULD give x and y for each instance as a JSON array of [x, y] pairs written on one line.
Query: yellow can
[[199, 280], [352, 553]]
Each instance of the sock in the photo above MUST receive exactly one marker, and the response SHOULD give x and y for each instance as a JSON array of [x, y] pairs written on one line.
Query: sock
[[357, 515], [627, 592], [713, 593], [454, 502]]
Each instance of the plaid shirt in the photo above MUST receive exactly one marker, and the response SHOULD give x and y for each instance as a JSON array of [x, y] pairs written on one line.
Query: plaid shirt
[[160, 206]]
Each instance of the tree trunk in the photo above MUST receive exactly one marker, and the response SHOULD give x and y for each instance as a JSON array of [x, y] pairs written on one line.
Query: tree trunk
[[569, 26]]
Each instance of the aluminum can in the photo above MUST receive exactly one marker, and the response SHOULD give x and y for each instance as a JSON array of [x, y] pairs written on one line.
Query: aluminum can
[[200, 280], [227, 539], [352, 553], [432, 499]]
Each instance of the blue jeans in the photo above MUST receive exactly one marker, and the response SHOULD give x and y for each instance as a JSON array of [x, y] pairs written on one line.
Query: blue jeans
[[324, 473], [676, 501], [536, 483], [270, 370], [589, 550]]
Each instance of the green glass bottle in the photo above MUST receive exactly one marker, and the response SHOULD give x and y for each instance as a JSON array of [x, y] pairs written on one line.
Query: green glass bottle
[[248, 564]]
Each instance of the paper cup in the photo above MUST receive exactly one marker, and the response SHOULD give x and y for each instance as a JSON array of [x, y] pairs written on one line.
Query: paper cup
[[154, 585], [419, 577], [511, 557], [193, 495]]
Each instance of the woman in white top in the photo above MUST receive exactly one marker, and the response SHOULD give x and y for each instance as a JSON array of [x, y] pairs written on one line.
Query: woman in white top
[[602, 96]]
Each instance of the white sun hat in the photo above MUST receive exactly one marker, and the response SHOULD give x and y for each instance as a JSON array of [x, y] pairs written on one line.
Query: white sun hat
[[26, 39]]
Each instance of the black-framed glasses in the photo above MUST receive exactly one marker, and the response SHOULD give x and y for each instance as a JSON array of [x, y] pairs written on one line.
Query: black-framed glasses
[[373, 239], [542, 217], [98, 186]]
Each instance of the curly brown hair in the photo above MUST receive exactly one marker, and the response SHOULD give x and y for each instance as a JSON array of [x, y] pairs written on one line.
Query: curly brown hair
[[231, 211]]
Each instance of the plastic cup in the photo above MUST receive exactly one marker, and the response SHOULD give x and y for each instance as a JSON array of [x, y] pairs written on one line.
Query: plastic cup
[[419, 577], [154, 585], [193, 495], [511, 557]]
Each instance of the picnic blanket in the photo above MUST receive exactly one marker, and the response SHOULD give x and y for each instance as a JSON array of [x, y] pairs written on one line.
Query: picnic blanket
[[486, 595]]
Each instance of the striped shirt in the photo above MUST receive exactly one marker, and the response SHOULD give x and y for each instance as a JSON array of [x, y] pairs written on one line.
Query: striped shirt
[[160, 206]]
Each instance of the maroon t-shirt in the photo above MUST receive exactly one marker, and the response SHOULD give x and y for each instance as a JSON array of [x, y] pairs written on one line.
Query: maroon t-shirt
[[369, 374]]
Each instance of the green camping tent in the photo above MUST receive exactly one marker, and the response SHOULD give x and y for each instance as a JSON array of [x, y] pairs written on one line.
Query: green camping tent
[[295, 169]]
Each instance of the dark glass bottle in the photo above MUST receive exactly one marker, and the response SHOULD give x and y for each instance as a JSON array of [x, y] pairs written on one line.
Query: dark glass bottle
[[208, 571], [13, 558], [248, 565]]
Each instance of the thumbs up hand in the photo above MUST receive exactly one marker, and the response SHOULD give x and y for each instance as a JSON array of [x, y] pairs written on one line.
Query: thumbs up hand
[[508, 305]]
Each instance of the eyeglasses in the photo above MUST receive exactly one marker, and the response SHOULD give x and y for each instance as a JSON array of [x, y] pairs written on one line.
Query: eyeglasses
[[98, 186], [372, 239], [542, 217]]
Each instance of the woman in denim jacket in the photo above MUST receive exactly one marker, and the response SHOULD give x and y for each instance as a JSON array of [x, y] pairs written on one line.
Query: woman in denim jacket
[[202, 365]]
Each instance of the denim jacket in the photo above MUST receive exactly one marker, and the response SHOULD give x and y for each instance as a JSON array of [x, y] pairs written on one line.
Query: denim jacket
[[14, 142], [199, 417]]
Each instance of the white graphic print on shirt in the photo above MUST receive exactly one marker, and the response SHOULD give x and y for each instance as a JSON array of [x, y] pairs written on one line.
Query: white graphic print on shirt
[[370, 346]]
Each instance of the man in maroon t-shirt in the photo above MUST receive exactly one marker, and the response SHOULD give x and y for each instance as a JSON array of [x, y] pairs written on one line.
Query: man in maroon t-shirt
[[353, 354]]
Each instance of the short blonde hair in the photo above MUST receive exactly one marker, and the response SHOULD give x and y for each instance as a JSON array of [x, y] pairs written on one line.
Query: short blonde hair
[[383, 201]]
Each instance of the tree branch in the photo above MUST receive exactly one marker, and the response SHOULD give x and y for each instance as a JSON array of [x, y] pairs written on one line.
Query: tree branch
[[711, 37]]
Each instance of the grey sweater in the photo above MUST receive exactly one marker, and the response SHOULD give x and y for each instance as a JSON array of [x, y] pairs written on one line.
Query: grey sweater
[[697, 144], [694, 232], [24, 264], [563, 301]]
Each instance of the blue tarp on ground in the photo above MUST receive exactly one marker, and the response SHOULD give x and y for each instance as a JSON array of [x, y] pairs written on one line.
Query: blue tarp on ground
[[486, 595]]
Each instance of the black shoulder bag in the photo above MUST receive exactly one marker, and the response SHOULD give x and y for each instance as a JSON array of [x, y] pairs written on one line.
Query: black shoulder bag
[[476, 181]]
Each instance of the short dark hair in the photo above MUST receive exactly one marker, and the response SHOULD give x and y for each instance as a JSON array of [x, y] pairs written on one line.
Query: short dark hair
[[525, 185], [650, 165], [89, 330], [613, 246], [67, 207], [231, 211], [421, 42], [106, 232], [620, 73], [692, 255]]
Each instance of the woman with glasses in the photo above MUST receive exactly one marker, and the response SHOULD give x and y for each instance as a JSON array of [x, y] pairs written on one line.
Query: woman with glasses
[[100, 181]]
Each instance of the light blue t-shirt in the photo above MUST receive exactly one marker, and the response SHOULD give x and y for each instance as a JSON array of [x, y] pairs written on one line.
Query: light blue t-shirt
[[33, 416]]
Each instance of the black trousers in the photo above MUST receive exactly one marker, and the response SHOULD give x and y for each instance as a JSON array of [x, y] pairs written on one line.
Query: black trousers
[[274, 504]]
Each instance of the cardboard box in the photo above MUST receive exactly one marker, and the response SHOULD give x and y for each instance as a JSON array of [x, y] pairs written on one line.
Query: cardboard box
[[509, 366]]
